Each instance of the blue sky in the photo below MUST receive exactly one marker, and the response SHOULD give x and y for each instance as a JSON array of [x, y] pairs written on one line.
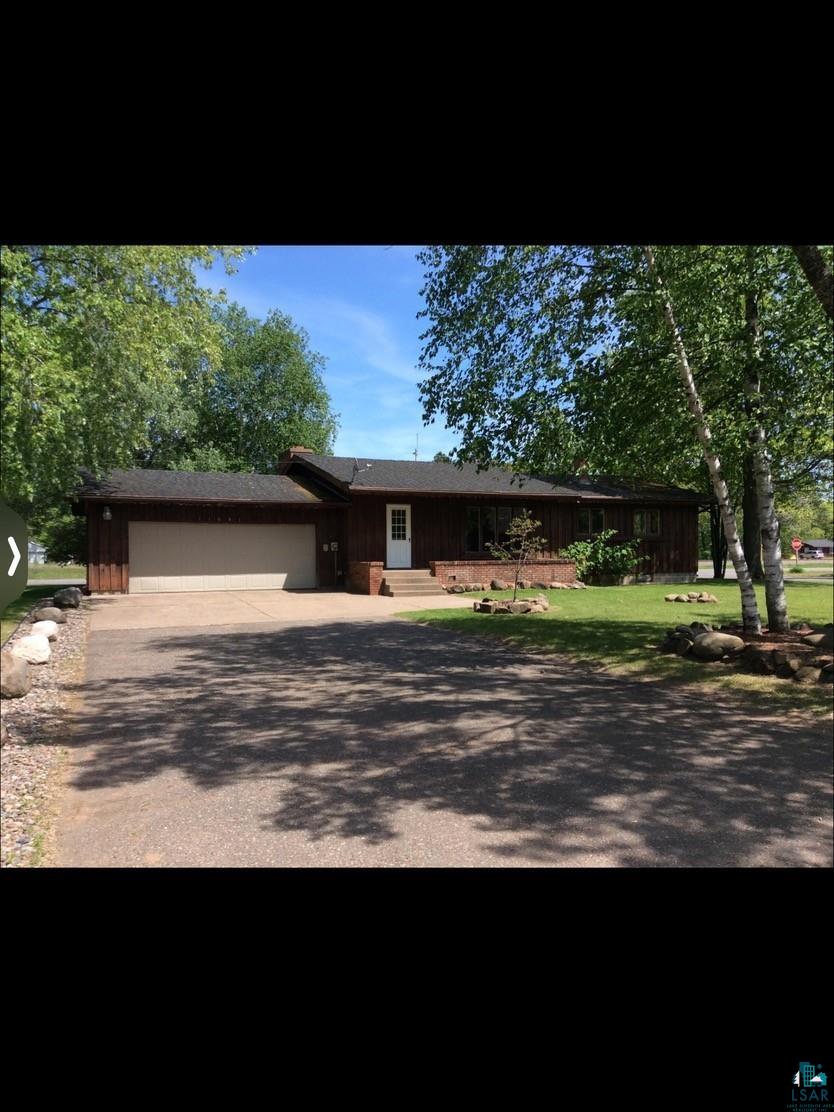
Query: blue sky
[[359, 307]]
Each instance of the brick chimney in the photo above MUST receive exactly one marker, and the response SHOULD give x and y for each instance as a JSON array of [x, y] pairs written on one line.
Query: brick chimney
[[296, 450]]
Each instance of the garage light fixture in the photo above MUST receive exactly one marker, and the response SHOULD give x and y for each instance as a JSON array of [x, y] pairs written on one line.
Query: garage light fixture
[[106, 514]]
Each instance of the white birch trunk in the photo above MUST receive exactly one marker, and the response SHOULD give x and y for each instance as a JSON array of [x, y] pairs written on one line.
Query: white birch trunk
[[749, 606], [777, 603]]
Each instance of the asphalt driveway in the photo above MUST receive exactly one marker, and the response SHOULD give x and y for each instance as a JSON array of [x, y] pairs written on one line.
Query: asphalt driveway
[[383, 743]]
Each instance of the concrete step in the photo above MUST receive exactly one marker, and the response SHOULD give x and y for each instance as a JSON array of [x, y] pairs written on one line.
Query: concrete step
[[408, 573], [413, 592]]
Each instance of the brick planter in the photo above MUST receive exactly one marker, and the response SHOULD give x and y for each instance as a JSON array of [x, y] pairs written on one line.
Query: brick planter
[[449, 572], [365, 577]]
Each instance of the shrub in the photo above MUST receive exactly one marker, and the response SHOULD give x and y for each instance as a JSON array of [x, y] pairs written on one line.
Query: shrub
[[599, 557], [794, 569]]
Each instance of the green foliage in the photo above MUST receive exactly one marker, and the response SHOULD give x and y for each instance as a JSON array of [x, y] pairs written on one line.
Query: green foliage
[[541, 355], [441, 457], [92, 337], [807, 515], [521, 543], [63, 534], [794, 569], [599, 557]]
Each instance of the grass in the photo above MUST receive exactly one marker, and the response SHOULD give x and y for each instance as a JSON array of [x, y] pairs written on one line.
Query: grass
[[57, 571], [619, 628], [19, 608]]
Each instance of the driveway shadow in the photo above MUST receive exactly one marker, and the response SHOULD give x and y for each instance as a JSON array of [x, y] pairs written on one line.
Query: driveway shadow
[[548, 763]]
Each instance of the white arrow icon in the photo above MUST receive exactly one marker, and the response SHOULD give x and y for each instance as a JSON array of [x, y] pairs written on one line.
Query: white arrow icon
[[15, 555]]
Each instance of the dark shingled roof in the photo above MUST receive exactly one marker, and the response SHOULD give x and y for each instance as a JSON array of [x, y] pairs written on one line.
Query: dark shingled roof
[[200, 486], [450, 478]]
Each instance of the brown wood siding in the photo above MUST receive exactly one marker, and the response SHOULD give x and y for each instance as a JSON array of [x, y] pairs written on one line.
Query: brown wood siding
[[108, 559], [438, 528]]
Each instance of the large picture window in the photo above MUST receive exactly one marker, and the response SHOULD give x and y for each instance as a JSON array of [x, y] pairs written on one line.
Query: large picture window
[[589, 522], [647, 523], [486, 525]]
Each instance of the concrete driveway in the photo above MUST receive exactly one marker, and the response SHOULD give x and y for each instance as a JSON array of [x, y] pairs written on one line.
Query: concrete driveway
[[383, 743], [221, 608]]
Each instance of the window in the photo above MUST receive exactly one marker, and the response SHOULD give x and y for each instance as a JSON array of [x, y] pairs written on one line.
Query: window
[[486, 524], [646, 523], [398, 525], [589, 522]]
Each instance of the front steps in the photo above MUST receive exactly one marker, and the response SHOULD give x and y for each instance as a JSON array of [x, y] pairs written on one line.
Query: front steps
[[410, 583]]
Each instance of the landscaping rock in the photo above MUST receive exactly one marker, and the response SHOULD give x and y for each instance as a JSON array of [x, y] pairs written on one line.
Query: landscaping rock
[[487, 606], [827, 674], [801, 627], [712, 646], [501, 608], [536, 608], [68, 598], [684, 631], [542, 601], [693, 594], [539, 585], [683, 646], [670, 598], [522, 606], [34, 649], [4, 733], [499, 585], [808, 674], [700, 627], [681, 598], [458, 589], [558, 586], [824, 640], [47, 628], [48, 614], [16, 680]]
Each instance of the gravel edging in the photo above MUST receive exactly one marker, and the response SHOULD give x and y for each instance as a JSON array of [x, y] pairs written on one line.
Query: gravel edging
[[32, 760]]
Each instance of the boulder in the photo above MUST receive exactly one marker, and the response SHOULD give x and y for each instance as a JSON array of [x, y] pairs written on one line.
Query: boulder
[[68, 598], [683, 645], [536, 608], [525, 584], [539, 585], [693, 594], [712, 646], [827, 674], [522, 606], [579, 584], [4, 733], [47, 628], [501, 608], [558, 586], [16, 680], [542, 601], [808, 674], [458, 589], [685, 631], [700, 627], [499, 585], [681, 598], [487, 606], [823, 640], [48, 614], [801, 627], [34, 649]]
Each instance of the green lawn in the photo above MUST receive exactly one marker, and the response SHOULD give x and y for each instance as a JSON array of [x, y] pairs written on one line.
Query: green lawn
[[620, 627], [57, 571], [17, 609]]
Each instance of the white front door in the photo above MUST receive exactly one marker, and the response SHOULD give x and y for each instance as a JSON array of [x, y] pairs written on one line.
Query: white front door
[[398, 550]]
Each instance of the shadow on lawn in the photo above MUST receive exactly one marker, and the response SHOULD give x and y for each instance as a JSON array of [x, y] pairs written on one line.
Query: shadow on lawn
[[355, 720]]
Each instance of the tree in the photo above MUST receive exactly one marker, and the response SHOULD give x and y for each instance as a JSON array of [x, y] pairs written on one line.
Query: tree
[[93, 337], [441, 457], [521, 543], [264, 395], [539, 356], [819, 275]]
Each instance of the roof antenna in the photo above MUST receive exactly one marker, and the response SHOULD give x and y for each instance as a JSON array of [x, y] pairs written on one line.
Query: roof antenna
[[357, 470], [416, 446]]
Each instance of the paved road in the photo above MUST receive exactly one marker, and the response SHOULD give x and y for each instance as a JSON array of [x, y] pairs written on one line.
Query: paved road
[[382, 743], [56, 583]]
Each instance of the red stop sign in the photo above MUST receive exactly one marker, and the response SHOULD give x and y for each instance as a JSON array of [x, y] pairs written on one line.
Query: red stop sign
[[796, 544]]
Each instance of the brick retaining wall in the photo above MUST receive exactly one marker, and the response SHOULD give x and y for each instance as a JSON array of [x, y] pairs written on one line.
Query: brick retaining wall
[[365, 576], [482, 571]]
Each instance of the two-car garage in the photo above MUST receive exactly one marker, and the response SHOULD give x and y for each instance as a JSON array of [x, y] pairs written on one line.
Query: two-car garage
[[177, 556]]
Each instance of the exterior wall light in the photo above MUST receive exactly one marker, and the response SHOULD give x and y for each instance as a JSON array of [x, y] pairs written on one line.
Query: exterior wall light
[[106, 514]]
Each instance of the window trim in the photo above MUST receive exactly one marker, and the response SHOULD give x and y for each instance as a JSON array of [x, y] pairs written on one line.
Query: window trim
[[494, 507], [590, 511], [646, 532]]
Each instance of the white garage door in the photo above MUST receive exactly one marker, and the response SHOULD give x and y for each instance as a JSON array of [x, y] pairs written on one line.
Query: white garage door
[[168, 556]]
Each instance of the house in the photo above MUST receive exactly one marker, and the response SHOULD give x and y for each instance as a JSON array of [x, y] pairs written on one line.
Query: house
[[328, 521], [825, 547], [37, 553]]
